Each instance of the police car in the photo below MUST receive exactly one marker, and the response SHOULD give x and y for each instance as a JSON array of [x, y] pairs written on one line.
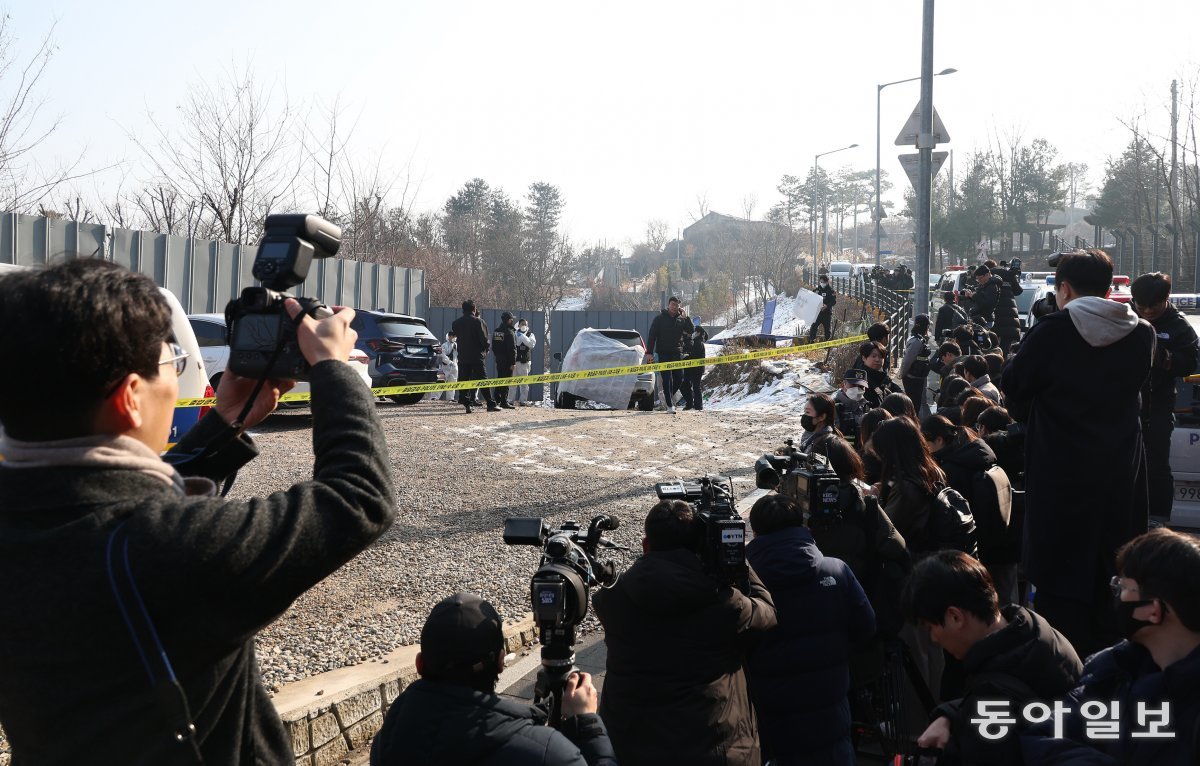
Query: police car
[[1185, 440]]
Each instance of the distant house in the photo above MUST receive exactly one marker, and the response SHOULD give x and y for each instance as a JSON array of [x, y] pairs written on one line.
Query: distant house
[[717, 230]]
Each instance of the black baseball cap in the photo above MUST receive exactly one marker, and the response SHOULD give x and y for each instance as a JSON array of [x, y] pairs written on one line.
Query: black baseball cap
[[462, 632], [979, 272]]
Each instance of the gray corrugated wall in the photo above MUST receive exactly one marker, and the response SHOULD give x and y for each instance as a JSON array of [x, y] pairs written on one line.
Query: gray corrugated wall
[[204, 274], [440, 318]]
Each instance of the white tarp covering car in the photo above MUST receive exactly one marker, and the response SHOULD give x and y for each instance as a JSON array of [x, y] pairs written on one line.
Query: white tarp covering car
[[592, 350]]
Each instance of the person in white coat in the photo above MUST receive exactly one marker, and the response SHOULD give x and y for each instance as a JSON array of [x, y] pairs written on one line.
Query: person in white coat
[[449, 365], [526, 342]]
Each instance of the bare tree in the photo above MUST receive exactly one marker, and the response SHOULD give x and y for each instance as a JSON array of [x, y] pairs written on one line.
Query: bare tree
[[24, 185], [702, 207], [657, 232], [234, 154]]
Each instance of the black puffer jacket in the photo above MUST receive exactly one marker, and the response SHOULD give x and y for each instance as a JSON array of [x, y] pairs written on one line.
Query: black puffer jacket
[[985, 300], [1025, 661], [962, 461], [1008, 318], [1175, 357], [667, 336], [675, 689], [433, 724]]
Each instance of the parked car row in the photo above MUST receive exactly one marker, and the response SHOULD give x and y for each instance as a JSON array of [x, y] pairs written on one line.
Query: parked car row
[[392, 350]]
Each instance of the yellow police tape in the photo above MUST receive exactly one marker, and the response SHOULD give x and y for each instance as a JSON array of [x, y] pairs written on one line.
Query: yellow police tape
[[553, 377]]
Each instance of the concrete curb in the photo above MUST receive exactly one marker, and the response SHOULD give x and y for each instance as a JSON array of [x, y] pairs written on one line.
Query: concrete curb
[[330, 714]]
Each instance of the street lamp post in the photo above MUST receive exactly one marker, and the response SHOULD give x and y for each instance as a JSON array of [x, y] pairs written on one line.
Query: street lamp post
[[878, 217], [813, 210]]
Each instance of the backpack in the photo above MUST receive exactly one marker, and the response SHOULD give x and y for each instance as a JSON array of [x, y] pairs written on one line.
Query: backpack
[[951, 523], [991, 494], [920, 365]]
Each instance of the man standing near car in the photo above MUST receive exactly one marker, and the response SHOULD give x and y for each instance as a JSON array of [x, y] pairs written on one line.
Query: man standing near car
[[1085, 475], [693, 385], [1007, 325], [526, 343], [665, 339], [504, 346], [1175, 356], [473, 348], [985, 297]]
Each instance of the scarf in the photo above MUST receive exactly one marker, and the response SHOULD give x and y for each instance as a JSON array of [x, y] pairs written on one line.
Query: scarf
[[99, 451]]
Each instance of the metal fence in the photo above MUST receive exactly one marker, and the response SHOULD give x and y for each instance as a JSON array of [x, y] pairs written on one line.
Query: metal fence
[[897, 306], [439, 319], [205, 274]]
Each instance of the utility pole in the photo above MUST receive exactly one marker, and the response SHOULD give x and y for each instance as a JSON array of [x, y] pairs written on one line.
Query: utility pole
[[1172, 199], [925, 146]]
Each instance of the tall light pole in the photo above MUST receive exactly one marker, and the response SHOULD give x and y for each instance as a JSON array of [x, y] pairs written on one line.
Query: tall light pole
[[878, 216], [813, 210]]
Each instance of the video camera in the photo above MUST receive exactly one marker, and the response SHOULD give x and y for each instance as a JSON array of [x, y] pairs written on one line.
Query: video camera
[[720, 539], [261, 336], [806, 479], [559, 592]]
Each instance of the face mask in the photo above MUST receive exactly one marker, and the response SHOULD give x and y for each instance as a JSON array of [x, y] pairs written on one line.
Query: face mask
[[854, 393], [806, 422], [524, 328], [1127, 624]]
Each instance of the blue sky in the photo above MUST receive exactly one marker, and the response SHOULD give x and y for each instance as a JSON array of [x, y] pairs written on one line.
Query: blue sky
[[633, 109]]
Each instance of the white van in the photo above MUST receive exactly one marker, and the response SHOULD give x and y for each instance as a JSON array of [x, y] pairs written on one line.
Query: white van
[[840, 270], [193, 383]]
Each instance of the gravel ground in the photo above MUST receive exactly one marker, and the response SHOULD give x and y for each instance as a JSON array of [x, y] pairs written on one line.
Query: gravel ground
[[458, 477]]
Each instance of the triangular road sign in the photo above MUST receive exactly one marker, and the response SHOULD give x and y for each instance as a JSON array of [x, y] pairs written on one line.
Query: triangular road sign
[[908, 134], [912, 165]]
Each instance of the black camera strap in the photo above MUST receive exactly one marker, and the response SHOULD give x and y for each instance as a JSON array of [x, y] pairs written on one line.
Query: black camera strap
[[169, 695]]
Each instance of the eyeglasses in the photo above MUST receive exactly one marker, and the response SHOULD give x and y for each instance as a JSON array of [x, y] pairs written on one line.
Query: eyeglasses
[[178, 358], [1117, 588]]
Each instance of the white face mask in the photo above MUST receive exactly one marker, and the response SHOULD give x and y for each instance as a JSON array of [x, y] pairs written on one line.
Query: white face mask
[[854, 393], [524, 328]]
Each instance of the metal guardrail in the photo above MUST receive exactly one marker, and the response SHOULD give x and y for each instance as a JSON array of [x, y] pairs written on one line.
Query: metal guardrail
[[896, 305]]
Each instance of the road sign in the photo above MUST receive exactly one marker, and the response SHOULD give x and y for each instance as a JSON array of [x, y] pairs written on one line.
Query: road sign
[[912, 165], [912, 129]]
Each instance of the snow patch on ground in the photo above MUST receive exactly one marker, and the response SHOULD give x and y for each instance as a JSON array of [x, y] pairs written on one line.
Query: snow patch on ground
[[577, 302]]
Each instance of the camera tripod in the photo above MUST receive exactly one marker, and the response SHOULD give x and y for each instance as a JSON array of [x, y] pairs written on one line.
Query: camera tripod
[[558, 663]]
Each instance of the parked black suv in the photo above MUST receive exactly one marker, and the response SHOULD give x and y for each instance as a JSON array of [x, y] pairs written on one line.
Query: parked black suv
[[402, 350]]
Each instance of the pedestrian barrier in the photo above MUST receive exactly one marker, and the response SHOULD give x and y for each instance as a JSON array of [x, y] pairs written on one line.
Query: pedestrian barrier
[[554, 377]]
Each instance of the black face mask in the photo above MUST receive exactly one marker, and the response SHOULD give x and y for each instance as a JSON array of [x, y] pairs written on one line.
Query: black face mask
[[806, 422], [1127, 624]]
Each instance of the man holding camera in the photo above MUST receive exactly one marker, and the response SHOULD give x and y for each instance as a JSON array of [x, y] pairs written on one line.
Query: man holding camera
[[675, 689], [473, 346], [452, 715], [1085, 475], [985, 296], [134, 592], [1008, 318]]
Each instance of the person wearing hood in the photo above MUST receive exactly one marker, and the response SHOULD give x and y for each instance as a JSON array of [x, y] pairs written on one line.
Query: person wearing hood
[[448, 363], [851, 406], [1175, 357], [978, 374], [1147, 687], [693, 384], [1085, 474], [452, 714], [1010, 657], [504, 347], [823, 616], [526, 342], [675, 688], [914, 367]]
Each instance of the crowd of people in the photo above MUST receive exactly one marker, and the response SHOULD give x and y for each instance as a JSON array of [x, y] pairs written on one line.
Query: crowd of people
[[1045, 625]]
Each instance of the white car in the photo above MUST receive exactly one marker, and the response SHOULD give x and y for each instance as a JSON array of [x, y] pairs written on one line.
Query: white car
[[597, 349], [1185, 449], [214, 348]]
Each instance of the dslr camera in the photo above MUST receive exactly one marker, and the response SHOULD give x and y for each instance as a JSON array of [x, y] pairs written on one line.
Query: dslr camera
[[559, 592], [720, 533], [261, 335], [806, 479]]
